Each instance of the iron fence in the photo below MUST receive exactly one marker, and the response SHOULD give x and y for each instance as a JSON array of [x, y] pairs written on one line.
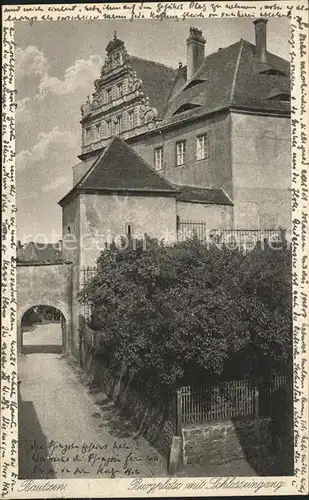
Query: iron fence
[[242, 239], [229, 399], [86, 274]]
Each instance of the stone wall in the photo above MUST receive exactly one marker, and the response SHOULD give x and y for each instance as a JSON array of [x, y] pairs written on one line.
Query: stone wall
[[212, 443], [212, 172], [261, 164], [147, 417], [216, 216], [225, 441], [105, 217], [71, 251]]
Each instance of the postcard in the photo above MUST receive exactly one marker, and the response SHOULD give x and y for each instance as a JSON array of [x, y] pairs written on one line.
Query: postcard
[[154, 249]]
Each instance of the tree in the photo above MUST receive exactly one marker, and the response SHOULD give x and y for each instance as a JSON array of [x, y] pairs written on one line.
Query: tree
[[167, 312]]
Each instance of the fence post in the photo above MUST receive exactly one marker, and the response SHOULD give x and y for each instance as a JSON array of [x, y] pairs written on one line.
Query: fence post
[[257, 422], [178, 413]]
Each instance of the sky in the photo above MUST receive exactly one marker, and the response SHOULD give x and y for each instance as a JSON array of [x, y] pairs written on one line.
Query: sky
[[56, 64]]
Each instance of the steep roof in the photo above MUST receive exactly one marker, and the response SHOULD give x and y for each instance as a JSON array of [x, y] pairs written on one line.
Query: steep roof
[[191, 194], [120, 168], [232, 76], [81, 168], [157, 80]]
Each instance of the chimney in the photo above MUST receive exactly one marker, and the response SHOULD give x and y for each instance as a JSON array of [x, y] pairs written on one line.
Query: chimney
[[195, 51], [260, 39]]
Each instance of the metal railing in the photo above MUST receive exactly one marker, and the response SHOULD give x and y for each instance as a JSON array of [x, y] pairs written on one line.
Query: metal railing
[[86, 274], [229, 399], [242, 239]]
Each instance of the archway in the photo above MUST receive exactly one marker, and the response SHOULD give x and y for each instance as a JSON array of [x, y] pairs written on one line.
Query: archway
[[43, 329], [59, 305]]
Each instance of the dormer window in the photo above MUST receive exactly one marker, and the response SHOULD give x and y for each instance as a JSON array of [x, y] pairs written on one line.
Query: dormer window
[[193, 83], [280, 97], [186, 107], [273, 72]]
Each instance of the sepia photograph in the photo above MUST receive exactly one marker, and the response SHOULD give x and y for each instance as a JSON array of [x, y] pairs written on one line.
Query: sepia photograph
[[154, 256]]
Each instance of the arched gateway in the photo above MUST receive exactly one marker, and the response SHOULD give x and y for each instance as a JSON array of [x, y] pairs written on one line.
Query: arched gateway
[[49, 284]]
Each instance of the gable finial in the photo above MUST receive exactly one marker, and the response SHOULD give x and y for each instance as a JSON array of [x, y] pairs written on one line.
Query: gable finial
[[115, 35]]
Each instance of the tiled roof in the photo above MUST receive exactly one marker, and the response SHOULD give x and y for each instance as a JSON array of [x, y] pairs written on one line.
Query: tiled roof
[[233, 77], [193, 194], [81, 168], [252, 87], [157, 80], [120, 168]]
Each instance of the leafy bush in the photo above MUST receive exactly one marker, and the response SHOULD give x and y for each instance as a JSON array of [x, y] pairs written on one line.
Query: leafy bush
[[170, 314], [30, 318]]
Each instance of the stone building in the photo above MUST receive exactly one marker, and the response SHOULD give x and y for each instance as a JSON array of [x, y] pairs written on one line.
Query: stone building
[[222, 122], [207, 142]]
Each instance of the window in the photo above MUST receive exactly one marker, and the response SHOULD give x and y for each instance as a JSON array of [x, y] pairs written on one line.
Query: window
[[202, 147], [158, 158], [108, 128], [88, 135], [118, 124], [119, 90], [98, 130], [131, 119], [129, 229], [109, 95], [180, 153]]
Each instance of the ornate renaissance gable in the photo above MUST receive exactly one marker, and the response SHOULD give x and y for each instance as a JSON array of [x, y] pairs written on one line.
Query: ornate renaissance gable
[[119, 104]]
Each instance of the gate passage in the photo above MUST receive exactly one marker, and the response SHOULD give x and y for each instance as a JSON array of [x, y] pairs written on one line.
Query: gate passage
[[48, 284]]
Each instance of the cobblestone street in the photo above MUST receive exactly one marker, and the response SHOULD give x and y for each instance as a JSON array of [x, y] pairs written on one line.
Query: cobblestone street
[[69, 430]]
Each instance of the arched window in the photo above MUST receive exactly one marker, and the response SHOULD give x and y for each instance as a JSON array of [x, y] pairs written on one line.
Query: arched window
[[98, 131]]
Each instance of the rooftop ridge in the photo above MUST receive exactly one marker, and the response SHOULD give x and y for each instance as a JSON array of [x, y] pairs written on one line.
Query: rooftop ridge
[[86, 175], [153, 62], [267, 51], [236, 70], [128, 178], [199, 70]]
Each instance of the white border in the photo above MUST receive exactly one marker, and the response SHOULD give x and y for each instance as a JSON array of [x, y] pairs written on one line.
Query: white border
[[11, 487]]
